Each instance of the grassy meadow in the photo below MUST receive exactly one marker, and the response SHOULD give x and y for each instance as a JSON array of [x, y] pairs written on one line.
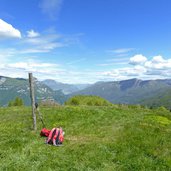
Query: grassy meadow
[[101, 138]]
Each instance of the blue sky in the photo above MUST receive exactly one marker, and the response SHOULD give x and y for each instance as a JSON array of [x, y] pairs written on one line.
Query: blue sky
[[84, 41]]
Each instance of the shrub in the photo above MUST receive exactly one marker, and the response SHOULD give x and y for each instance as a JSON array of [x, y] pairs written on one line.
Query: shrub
[[16, 102], [75, 101]]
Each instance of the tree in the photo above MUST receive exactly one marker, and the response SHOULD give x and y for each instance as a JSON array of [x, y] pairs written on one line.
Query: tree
[[18, 102]]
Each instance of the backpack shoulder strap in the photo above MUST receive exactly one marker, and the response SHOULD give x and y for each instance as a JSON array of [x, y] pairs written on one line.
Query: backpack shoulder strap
[[51, 135], [61, 136], [59, 133], [56, 136]]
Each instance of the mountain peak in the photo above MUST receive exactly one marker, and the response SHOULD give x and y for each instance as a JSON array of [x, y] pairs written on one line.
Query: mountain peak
[[124, 85]]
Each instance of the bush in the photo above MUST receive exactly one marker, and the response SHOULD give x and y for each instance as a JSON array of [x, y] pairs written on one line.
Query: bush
[[75, 101], [16, 102]]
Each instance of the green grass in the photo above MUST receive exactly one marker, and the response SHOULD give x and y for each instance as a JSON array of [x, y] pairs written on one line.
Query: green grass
[[97, 138], [88, 100]]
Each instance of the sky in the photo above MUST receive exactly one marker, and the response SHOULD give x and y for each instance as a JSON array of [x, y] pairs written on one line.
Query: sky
[[85, 41]]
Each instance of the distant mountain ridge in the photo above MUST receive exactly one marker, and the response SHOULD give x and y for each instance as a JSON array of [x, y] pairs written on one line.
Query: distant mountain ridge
[[65, 88], [13, 87], [133, 91]]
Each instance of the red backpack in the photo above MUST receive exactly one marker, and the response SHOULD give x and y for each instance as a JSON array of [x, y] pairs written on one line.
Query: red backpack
[[56, 137], [45, 132]]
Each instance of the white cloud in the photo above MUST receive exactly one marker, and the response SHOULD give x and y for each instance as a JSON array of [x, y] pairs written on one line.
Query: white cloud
[[21, 69], [29, 66], [42, 48], [158, 59], [158, 63], [5, 54], [142, 68], [47, 42], [43, 39], [138, 60], [76, 61], [43, 43], [115, 62], [126, 72], [32, 34], [8, 31], [121, 50], [51, 7]]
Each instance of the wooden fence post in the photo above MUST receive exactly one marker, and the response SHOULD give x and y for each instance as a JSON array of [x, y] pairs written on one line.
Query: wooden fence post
[[31, 81]]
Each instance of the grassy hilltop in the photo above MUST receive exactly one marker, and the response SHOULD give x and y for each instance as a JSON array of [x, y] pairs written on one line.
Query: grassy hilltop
[[116, 137]]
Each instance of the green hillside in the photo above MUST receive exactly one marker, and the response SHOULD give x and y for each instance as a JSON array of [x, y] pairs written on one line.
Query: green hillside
[[10, 88], [161, 99], [120, 138], [88, 100]]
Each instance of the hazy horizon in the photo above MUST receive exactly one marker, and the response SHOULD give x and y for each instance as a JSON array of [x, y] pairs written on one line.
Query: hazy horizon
[[73, 83]]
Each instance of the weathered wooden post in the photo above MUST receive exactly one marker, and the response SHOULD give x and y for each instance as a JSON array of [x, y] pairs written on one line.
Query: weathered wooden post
[[31, 81]]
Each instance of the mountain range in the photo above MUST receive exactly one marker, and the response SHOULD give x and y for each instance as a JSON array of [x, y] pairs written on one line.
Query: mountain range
[[19, 87], [65, 88], [134, 91]]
